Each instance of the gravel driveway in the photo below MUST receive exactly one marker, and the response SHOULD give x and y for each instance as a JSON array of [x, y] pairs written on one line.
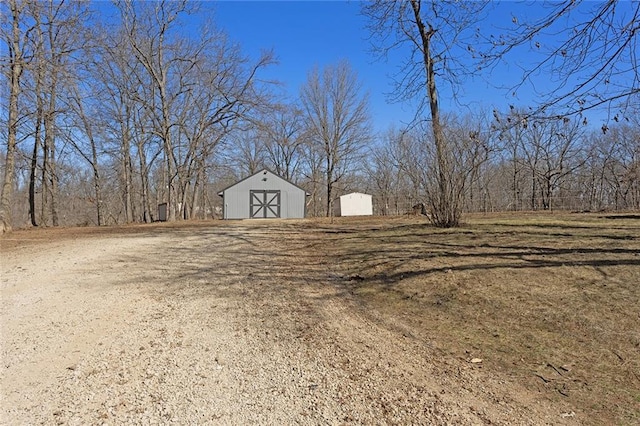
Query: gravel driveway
[[242, 323]]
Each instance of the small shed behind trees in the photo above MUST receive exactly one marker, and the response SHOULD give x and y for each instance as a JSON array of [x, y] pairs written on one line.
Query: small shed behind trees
[[354, 204], [263, 195]]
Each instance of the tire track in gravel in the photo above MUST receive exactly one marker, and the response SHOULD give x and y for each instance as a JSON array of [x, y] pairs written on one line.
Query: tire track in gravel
[[373, 369]]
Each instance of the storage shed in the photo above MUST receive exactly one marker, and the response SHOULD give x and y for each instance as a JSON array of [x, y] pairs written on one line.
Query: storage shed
[[263, 195], [354, 204]]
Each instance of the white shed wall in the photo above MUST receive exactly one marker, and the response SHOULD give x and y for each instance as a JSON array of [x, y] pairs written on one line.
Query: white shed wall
[[355, 204]]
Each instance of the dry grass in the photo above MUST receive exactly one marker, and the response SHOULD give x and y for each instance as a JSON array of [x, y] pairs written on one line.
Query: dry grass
[[549, 301]]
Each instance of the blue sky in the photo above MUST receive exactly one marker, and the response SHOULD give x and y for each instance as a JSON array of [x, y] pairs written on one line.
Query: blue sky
[[308, 34], [305, 34]]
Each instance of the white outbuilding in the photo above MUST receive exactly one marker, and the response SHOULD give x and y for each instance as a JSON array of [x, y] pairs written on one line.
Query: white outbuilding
[[354, 204]]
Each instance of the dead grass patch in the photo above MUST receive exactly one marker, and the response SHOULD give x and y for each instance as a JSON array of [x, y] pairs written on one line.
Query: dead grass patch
[[549, 301]]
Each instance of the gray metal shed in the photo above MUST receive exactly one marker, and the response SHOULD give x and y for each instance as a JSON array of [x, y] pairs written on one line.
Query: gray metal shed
[[263, 195]]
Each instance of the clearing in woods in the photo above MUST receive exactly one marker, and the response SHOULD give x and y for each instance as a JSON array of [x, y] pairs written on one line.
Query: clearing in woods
[[510, 319]]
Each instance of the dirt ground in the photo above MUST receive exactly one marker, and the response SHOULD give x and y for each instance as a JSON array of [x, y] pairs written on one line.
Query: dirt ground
[[511, 319]]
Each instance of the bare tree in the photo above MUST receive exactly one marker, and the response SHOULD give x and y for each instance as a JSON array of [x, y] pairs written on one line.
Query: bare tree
[[338, 120], [38, 72], [542, 152], [614, 169], [246, 152], [48, 32], [223, 98], [396, 172], [283, 132], [472, 144], [511, 129], [15, 39], [382, 173], [594, 62], [122, 88], [148, 27], [193, 90], [60, 36], [85, 125], [406, 150], [313, 179], [435, 31], [559, 150]]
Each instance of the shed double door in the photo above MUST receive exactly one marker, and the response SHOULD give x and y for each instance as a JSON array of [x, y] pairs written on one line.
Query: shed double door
[[264, 204]]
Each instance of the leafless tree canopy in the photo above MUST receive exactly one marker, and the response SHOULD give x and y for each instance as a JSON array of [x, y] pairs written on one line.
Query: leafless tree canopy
[[591, 61], [450, 27], [588, 51], [435, 33], [105, 119], [338, 120]]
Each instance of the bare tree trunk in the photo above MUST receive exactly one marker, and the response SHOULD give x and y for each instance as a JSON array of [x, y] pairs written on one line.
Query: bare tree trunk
[[126, 168], [87, 127], [147, 214], [49, 171], [53, 174], [193, 202], [168, 147], [197, 196], [44, 193], [33, 171], [38, 119], [329, 187], [152, 58], [93, 161], [16, 67], [534, 189], [514, 183], [96, 182], [203, 189], [445, 209]]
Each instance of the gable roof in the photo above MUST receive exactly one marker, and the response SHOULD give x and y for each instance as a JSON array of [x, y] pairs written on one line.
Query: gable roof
[[221, 193]]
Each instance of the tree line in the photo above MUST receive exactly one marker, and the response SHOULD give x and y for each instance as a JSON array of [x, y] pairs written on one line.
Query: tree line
[[107, 118]]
